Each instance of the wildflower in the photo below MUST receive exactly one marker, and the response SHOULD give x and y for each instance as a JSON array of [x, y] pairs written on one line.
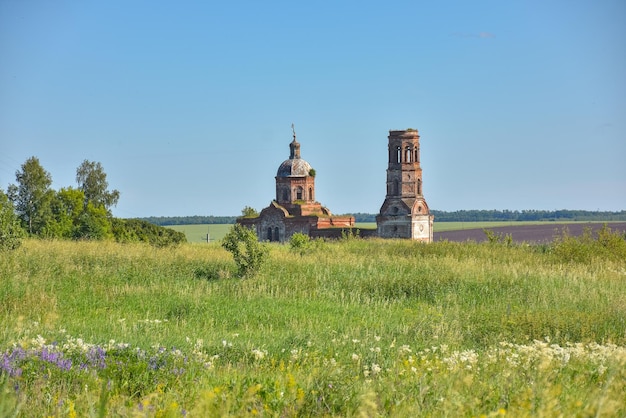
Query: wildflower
[[376, 368], [258, 354], [355, 357]]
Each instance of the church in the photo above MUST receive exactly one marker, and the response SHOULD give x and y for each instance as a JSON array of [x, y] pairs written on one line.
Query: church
[[403, 214], [294, 208]]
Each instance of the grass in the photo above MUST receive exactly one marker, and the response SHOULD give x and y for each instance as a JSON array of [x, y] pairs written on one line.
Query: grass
[[355, 327]]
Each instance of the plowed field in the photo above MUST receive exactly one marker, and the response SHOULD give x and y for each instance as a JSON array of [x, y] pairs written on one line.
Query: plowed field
[[527, 233]]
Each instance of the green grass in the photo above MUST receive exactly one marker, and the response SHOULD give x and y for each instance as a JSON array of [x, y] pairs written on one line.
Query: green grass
[[355, 327]]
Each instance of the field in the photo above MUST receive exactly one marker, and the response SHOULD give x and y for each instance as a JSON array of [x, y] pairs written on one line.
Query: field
[[198, 233], [349, 328]]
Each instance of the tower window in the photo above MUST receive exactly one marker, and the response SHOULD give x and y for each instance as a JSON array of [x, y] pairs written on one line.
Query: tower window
[[408, 155], [419, 186], [399, 155], [276, 234], [269, 233], [299, 193], [311, 193]]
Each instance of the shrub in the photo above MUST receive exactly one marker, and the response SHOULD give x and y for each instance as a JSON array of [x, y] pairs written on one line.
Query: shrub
[[498, 237], [300, 243], [137, 230], [607, 244], [249, 254]]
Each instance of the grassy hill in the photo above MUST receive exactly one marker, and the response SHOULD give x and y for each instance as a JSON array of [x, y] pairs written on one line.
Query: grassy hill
[[354, 327]]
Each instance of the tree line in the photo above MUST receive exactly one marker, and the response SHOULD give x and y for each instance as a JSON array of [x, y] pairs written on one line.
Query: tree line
[[30, 207]]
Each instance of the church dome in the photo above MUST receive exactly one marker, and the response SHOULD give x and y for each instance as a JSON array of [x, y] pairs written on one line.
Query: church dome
[[294, 167]]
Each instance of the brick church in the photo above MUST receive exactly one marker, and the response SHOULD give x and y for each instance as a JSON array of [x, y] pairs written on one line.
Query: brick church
[[295, 209], [404, 213]]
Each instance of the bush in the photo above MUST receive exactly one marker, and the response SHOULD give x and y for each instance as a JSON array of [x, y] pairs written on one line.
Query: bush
[[607, 244], [300, 243], [137, 230], [249, 254]]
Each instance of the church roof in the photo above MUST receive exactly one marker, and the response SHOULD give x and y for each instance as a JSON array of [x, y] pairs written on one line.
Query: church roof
[[294, 167]]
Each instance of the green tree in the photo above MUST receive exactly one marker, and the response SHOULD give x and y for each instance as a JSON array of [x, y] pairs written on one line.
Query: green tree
[[249, 212], [32, 195], [93, 223], [92, 181], [249, 254], [66, 207], [11, 233]]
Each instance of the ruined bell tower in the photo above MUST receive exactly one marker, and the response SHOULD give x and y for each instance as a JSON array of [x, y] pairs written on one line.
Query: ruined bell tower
[[404, 213]]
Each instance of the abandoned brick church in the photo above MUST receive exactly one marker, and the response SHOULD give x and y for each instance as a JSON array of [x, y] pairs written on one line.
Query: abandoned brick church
[[404, 213]]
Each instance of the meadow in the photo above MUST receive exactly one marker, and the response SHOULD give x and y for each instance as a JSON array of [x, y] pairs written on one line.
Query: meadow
[[350, 328]]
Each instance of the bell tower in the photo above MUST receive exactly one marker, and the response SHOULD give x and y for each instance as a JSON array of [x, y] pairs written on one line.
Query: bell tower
[[404, 213]]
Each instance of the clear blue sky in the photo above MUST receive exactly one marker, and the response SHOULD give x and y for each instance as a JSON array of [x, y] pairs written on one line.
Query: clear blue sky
[[189, 105]]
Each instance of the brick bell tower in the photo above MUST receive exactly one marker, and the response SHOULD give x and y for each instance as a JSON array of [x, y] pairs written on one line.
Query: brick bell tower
[[404, 213]]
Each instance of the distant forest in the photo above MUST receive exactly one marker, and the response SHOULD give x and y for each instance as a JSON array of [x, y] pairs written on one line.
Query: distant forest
[[440, 216]]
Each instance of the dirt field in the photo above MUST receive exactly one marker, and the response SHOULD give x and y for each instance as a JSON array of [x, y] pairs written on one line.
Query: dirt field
[[527, 233]]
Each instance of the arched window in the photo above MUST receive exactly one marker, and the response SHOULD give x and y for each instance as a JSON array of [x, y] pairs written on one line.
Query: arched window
[[311, 197], [269, 233], [407, 158], [395, 188], [417, 155], [419, 186], [299, 193], [276, 234], [398, 154]]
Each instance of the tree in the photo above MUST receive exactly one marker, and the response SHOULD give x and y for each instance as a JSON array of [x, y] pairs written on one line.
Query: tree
[[249, 212], [92, 181], [249, 254], [11, 232], [93, 223], [66, 207], [32, 194]]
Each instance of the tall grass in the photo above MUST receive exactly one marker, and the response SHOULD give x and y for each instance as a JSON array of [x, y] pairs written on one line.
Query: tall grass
[[355, 327]]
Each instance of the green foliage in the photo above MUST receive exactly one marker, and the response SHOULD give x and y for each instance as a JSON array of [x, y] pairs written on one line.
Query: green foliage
[[607, 244], [137, 230], [249, 254], [92, 181], [94, 223], [350, 234], [66, 207], [300, 243], [32, 195], [312, 172], [11, 233], [498, 237], [249, 212]]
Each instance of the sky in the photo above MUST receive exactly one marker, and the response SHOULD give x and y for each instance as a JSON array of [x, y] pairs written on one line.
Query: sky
[[188, 105]]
